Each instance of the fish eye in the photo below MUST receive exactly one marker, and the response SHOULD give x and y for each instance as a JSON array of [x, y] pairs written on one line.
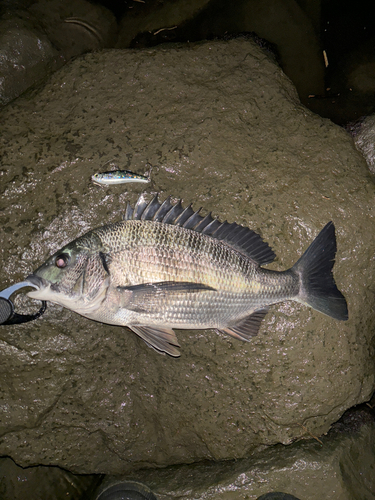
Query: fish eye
[[62, 260]]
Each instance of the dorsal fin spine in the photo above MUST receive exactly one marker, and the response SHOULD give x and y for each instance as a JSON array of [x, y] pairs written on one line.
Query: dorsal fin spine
[[203, 223], [163, 209], [184, 216]]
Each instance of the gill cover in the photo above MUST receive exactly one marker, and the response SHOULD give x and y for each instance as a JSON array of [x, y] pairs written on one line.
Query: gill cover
[[76, 277]]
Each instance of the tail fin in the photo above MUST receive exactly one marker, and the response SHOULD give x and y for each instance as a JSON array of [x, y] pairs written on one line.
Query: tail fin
[[317, 285]]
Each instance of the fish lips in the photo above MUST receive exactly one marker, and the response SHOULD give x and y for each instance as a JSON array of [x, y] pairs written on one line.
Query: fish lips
[[39, 282], [36, 280]]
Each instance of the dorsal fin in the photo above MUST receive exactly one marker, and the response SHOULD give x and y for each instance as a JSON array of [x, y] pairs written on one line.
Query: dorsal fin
[[240, 238]]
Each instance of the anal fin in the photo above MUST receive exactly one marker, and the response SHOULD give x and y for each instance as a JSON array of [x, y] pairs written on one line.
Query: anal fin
[[163, 340], [247, 327]]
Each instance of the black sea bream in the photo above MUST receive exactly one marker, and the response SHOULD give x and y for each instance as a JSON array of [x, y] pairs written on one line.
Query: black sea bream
[[166, 267]]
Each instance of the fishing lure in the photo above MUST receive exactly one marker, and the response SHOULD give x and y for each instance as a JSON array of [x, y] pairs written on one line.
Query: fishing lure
[[118, 177]]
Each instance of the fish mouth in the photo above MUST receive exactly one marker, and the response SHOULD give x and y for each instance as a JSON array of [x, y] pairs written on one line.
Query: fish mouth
[[40, 284], [36, 280]]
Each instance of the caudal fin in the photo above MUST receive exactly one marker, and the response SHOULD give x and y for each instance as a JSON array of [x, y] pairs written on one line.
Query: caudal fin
[[318, 288]]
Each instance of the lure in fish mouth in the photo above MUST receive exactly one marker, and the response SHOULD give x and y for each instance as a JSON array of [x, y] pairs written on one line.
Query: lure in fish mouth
[[166, 267]]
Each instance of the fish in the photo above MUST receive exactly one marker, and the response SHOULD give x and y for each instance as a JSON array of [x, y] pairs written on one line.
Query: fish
[[166, 267], [118, 177]]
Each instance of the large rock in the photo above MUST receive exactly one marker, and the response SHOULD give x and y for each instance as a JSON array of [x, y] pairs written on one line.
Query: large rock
[[218, 124], [292, 28], [336, 467], [38, 40]]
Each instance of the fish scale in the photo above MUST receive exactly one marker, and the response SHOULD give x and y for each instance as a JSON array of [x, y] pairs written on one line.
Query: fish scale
[[157, 253], [167, 267], [182, 260]]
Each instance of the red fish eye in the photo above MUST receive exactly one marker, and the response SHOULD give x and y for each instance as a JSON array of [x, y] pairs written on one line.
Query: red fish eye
[[62, 260]]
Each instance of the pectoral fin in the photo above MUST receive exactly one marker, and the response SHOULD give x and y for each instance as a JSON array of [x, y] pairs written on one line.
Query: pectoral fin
[[167, 286], [146, 297], [163, 340], [247, 327]]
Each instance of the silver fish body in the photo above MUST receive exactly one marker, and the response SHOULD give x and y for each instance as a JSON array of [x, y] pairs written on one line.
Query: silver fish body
[[166, 267], [118, 177]]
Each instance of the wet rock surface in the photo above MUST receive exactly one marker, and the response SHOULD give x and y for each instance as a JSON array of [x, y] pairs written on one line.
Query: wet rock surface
[[218, 124], [363, 133], [338, 466], [26, 56]]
